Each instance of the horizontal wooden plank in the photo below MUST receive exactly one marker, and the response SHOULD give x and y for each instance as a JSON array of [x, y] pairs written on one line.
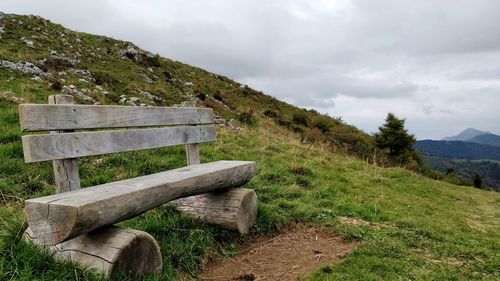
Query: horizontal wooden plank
[[45, 117], [59, 217], [72, 145]]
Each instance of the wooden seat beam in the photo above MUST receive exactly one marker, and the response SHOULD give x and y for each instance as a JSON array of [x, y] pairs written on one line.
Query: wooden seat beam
[[57, 218]]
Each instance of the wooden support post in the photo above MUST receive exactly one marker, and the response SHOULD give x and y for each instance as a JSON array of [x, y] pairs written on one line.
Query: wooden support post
[[234, 209], [192, 150], [193, 154], [66, 175], [110, 250]]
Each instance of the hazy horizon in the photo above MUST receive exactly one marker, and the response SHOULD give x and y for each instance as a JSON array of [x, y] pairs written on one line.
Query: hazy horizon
[[436, 64]]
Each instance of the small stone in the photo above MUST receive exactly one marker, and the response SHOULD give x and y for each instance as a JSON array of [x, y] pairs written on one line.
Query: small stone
[[150, 96], [28, 42], [135, 100], [37, 79], [146, 78]]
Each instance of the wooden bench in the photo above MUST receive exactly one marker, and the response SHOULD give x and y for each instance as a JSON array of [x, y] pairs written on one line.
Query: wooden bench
[[78, 220]]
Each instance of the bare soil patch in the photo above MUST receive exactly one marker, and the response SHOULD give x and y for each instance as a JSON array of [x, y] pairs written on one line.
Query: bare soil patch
[[293, 253]]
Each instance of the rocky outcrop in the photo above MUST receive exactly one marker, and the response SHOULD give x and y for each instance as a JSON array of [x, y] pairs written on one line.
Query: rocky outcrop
[[1, 25], [24, 67], [150, 96], [130, 52], [80, 94]]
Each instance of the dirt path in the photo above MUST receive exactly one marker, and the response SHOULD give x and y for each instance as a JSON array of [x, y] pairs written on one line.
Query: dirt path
[[293, 253]]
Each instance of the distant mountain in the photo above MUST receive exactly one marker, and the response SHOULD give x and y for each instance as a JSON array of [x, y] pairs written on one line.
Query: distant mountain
[[458, 150], [466, 135], [489, 139]]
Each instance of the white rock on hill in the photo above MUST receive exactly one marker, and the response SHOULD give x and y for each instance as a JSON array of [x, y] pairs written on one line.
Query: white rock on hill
[[25, 68]]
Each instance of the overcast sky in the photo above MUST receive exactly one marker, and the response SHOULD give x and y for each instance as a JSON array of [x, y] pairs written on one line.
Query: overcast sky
[[436, 63]]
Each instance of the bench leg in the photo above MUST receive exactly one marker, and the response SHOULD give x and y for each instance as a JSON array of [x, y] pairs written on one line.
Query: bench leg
[[234, 209], [111, 251]]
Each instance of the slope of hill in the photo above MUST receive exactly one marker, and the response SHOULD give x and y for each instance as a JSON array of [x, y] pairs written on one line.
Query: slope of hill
[[465, 135], [489, 139], [458, 149], [38, 58], [414, 227]]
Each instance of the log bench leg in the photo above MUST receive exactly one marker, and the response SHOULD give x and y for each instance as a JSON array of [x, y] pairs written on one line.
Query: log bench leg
[[234, 209], [110, 250]]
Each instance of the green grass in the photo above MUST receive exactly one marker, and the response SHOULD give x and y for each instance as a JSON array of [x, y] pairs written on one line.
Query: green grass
[[432, 230], [435, 230]]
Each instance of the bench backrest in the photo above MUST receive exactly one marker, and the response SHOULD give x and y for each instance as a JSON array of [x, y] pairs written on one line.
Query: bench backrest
[[188, 126]]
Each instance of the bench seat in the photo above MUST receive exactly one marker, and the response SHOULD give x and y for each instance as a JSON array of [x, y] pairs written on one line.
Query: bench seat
[[62, 216]]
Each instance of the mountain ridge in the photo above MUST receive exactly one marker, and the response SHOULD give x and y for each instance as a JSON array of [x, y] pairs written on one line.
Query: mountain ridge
[[488, 139], [466, 134]]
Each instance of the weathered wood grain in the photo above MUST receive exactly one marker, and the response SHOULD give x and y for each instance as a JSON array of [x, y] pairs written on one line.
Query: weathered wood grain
[[234, 209], [72, 145], [56, 218], [193, 154], [45, 117], [192, 150], [110, 250], [66, 174]]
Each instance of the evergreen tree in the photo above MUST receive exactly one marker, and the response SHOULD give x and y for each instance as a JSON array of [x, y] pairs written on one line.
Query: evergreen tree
[[395, 139], [478, 182]]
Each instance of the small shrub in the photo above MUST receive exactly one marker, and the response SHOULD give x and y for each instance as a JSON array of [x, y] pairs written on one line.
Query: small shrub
[[283, 123], [56, 86], [201, 96], [300, 119], [218, 97], [149, 61], [270, 113], [114, 97], [323, 125], [248, 118], [168, 76]]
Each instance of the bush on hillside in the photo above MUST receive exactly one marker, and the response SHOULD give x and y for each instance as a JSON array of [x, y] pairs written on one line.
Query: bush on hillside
[[270, 113], [248, 118], [300, 118]]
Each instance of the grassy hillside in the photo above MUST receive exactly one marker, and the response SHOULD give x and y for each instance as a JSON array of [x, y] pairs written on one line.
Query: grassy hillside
[[419, 229], [100, 69]]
